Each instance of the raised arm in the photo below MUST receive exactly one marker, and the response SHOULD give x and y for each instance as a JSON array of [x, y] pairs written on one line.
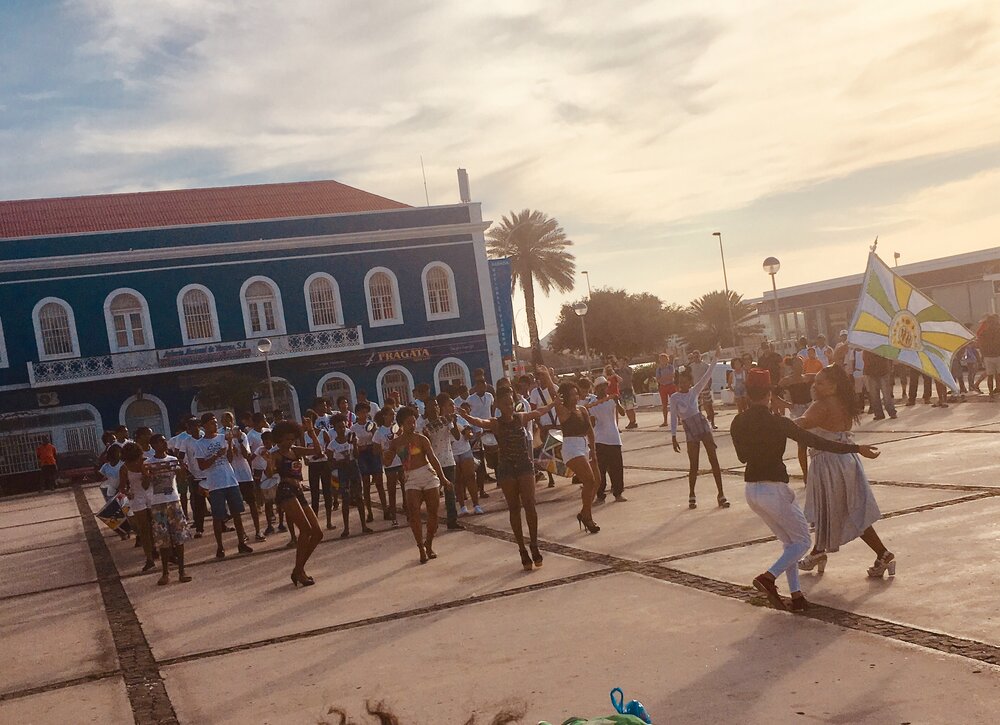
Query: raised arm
[[539, 412], [484, 423], [707, 377], [800, 435]]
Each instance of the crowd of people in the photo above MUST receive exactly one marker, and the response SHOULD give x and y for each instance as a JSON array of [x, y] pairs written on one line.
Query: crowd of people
[[443, 446]]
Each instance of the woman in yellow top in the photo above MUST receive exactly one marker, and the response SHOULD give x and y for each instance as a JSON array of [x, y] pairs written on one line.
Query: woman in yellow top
[[423, 477]]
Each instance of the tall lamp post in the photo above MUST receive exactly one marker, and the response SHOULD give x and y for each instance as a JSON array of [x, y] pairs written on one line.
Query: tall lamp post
[[586, 274], [264, 347], [580, 308], [771, 266], [725, 279]]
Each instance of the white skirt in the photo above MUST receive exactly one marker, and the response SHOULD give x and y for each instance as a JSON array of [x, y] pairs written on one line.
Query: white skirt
[[839, 499], [574, 447]]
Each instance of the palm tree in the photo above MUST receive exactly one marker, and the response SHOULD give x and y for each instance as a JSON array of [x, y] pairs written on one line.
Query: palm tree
[[537, 248], [710, 318]]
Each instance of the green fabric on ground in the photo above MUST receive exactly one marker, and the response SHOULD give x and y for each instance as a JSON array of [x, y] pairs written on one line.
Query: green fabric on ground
[[607, 720]]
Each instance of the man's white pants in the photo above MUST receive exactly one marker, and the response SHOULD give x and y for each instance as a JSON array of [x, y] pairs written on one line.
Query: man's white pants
[[775, 503]]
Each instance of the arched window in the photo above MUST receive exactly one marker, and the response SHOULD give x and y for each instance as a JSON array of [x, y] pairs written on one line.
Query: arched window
[[55, 329], [148, 411], [323, 302], [127, 317], [383, 298], [199, 320], [449, 374], [395, 379], [335, 385], [262, 313], [440, 301], [286, 399]]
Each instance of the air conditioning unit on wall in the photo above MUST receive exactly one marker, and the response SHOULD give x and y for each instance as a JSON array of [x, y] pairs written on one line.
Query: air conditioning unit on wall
[[47, 400]]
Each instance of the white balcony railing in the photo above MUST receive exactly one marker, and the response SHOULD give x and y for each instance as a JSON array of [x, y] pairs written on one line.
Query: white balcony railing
[[125, 364]]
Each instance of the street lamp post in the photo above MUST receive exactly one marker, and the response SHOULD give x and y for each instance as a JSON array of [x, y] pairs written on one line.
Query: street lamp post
[[586, 274], [580, 308], [725, 279], [264, 347], [771, 266]]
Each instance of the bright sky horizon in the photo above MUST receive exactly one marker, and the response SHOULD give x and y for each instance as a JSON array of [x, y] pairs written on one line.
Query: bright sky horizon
[[798, 130]]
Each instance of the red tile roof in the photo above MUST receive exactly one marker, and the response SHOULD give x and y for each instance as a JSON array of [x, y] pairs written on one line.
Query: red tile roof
[[111, 212]]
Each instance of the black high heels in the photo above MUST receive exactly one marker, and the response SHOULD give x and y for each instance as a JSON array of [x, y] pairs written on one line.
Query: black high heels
[[587, 524]]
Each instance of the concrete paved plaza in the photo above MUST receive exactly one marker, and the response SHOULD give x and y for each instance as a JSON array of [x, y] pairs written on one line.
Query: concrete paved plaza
[[656, 603]]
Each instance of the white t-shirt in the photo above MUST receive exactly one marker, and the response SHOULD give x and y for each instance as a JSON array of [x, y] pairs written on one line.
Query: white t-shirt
[[539, 399], [382, 437], [110, 473], [606, 425], [440, 436], [137, 494], [321, 435], [461, 445], [259, 463], [221, 474], [253, 438], [322, 422], [241, 466], [185, 443], [163, 480], [480, 406], [364, 432], [341, 452]]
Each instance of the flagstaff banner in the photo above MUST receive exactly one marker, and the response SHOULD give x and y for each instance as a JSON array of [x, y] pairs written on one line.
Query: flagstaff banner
[[500, 281], [897, 321]]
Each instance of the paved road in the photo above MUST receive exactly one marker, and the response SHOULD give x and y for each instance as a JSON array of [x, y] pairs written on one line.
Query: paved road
[[656, 603]]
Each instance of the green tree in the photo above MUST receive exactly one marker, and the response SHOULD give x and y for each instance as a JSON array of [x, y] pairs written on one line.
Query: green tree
[[229, 389], [619, 323], [709, 320], [538, 251]]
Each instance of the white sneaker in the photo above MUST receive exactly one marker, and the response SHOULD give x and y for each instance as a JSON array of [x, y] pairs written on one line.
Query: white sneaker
[[478, 510], [463, 511]]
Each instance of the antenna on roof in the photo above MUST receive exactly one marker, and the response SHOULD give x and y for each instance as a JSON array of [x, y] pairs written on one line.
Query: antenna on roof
[[424, 174]]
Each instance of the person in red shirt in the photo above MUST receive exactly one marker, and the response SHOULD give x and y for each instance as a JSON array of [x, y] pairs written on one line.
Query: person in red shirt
[[46, 453]]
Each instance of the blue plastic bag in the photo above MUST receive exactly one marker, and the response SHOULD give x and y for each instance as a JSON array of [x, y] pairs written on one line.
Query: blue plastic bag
[[634, 707]]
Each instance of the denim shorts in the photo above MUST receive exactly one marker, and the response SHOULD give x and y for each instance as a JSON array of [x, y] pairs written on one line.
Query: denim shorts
[[221, 498], [370, 462], [465, 456]]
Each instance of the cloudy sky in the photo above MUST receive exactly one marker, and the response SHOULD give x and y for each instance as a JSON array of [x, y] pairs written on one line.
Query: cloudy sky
[[799, 130]]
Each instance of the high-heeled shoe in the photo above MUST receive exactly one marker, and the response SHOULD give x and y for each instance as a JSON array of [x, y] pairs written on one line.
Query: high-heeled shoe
[[306, 581], [723, 503], [813, 561], [423, 553], [587, 524], [526, 560], [536, 555], [883, 564], [692, 502], [430, 550]]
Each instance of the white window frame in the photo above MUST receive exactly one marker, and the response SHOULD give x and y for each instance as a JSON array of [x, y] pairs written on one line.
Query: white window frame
[[445, 361], [4, 360], [381, 375], [212, 310], [452, 293], [329, 376], [279, 310], [397, 302], [71, 321], [147, 324], [313, 326], [153, 399]]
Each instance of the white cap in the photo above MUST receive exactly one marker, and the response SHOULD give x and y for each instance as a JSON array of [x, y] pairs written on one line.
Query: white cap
[[600, 380], [843, 332]]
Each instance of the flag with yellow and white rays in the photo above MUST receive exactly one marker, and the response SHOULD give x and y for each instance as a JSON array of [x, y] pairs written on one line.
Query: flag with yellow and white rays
[[897, 321]]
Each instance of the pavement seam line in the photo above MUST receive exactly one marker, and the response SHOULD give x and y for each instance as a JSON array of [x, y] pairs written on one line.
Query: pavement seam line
[[39, 523], [391, 617], [147, 693], [60, 685], [59, 588]]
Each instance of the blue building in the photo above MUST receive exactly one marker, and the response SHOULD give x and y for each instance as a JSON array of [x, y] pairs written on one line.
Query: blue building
[[118, 309]]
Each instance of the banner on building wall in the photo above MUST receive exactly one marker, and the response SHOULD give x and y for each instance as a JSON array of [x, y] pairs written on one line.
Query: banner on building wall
[[402, 355], [500, 280], [201, 354]]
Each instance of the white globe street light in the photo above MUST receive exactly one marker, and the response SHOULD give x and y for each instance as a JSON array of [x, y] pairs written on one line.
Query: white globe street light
[[580, 308], [771, 266], [264, 347]]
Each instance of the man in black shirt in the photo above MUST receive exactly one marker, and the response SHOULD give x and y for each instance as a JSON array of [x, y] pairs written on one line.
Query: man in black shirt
[[760, 437]]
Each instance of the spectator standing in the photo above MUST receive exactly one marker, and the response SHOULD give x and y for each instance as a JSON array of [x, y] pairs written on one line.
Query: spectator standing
[[47, 464], [878, 379], [988, 336]]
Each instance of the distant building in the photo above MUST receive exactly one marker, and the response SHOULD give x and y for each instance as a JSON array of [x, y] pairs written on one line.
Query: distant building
[[119, 308], [966, 285]]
